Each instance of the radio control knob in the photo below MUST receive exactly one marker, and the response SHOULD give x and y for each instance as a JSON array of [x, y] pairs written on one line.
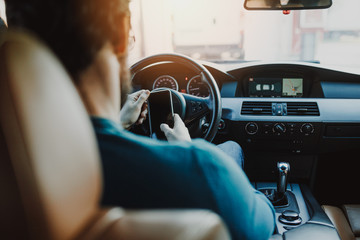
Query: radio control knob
[[251, 128], [307, 128], [279, 128]]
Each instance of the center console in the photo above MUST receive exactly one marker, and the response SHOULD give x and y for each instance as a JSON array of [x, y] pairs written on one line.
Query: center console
[[298, 214], [290, 125]]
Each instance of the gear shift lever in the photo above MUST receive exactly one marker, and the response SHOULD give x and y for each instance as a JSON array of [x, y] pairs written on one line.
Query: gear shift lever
[[283, 168], [278, 196]]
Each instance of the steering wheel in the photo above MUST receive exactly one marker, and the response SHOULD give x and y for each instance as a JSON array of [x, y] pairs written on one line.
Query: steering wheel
[[193, 110]]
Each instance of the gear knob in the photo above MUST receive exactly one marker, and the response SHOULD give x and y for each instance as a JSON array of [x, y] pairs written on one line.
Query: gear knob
[[284, 169]]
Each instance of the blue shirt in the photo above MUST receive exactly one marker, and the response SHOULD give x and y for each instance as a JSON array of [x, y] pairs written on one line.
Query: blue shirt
[[140, 172]]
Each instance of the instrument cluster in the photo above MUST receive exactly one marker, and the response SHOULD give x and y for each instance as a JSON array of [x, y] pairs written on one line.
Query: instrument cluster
[[191, 85]]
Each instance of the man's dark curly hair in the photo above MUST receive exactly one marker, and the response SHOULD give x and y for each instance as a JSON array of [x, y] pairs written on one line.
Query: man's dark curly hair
[[74, 29]]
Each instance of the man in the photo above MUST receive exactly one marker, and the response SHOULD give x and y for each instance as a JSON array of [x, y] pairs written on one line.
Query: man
[[90, 37]]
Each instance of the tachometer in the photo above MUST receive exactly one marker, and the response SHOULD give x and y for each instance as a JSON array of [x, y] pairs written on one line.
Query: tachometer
[[197, 87], [166, 81]]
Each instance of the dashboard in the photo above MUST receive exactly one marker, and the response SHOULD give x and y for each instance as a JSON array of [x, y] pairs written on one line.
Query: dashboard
[[299, 108]]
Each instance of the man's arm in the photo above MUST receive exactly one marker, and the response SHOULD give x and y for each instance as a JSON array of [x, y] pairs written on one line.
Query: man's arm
[[246, 211], [142, 173]]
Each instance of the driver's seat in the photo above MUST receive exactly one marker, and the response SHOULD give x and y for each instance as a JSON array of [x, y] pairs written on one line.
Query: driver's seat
[[50, 178]]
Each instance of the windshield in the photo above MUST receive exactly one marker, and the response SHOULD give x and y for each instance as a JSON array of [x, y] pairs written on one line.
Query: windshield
[[223, 31]]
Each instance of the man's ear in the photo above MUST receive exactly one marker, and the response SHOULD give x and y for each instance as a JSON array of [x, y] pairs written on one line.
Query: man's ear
[[124, 29]]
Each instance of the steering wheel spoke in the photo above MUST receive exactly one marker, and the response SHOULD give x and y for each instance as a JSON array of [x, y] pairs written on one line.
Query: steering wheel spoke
[[196, 107]]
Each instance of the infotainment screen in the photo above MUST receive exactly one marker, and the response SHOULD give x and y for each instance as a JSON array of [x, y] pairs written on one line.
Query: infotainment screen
[[275, 87]]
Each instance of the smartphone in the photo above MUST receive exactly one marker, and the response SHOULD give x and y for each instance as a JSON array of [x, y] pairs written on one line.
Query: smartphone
[[161, 110]]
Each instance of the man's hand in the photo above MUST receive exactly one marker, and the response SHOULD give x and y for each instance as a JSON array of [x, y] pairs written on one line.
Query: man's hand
[[134, 109], [178, 133]]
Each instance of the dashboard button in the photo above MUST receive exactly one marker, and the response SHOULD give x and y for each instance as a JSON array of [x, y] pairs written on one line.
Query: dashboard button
[[279, 128], [267, 128], [284, 107], [307, 129], [221, 125], [251, 128], [292, 125], [279, 109]]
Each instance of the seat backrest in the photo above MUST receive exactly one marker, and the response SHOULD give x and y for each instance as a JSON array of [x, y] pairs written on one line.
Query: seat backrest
[[48, 153], [50, 181]]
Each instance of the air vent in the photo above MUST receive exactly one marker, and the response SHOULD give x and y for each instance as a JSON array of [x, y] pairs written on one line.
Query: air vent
[[302, 109], [256, 108]]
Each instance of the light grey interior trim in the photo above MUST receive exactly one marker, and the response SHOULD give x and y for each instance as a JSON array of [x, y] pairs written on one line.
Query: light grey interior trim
[[331, 110]]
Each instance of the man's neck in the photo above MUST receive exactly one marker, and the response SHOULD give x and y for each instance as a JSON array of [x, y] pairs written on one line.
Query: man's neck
[[99, 85]]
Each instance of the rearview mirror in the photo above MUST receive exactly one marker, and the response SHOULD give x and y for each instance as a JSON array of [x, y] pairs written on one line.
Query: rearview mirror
[[286, 4]]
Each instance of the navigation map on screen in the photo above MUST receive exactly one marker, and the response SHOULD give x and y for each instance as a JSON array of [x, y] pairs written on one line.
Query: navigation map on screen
[[292, 87]]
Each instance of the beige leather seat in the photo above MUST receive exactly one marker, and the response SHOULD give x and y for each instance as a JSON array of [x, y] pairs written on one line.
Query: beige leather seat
[[346, 220], [50, 178]]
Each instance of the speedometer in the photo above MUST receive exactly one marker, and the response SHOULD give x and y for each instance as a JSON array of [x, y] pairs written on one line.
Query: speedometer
[[166, 81], [197, 87]]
